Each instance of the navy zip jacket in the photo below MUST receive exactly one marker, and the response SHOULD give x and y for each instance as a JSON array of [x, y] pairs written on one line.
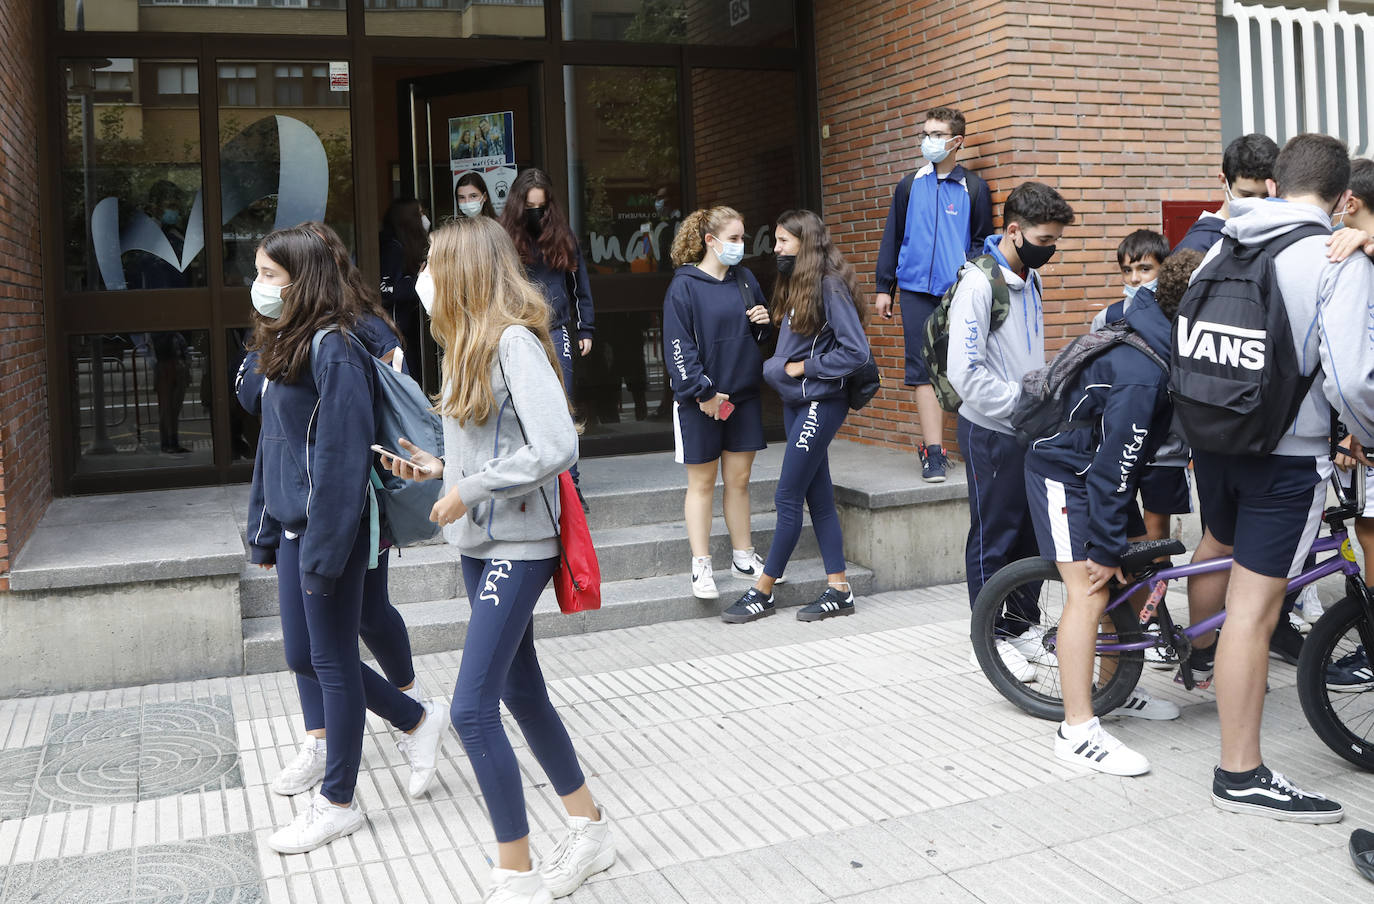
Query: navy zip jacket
[[708, 342], [311, 472], [1126, 396], [1202, 235], [933, 226], [839, 349], [573, 310]]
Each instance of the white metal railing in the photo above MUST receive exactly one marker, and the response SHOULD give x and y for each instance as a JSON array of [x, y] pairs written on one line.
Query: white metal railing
[[1316, 54]]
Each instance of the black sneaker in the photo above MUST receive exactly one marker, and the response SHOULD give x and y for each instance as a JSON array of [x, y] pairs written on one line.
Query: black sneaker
[[1269, 794], [933, 463], [586, 509], [753, 605], [1286, 642], [1197, 671], [828, 605], [1350, 674]]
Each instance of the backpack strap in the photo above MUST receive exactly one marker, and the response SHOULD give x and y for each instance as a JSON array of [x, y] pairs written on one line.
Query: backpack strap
[[744, 292], [1001, 294], [1292, 237]]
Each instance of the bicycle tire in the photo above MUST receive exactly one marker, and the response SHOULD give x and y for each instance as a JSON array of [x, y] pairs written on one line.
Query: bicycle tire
[[1042, 699], [1331, 714]]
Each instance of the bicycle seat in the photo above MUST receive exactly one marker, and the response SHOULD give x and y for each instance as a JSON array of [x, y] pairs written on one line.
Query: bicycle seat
[[1138, 555], [1362, 852]]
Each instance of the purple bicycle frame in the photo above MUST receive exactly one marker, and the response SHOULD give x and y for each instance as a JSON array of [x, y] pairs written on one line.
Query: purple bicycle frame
[[1331, 543]]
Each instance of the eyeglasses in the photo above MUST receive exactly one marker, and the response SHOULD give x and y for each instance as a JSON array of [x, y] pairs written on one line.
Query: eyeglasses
[[942, 136]]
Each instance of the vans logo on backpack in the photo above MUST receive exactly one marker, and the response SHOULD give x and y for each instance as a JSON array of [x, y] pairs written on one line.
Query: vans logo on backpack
[[1221, 343]]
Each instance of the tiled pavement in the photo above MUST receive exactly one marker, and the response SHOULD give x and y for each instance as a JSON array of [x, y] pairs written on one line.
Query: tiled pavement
[[856, 760]]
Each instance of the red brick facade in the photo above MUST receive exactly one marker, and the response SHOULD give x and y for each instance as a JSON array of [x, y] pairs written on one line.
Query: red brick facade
[[25, 465], [1115, 106]]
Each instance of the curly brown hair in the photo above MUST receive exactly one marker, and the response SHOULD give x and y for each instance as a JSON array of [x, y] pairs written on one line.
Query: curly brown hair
[[1174, 277]]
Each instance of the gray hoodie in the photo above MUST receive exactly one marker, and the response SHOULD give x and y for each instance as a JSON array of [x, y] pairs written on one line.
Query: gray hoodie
[[1331, 313], [498, 472]]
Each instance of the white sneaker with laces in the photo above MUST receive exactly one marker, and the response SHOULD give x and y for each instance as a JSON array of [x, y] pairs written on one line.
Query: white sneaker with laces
[[421, 748], [587, 849], [1090, 745], [319, 823], [1020, 669], [305, 771], [1142, 706], [703, 579], [747, 564], [1310, 605], [1031, 646], [511, 887]]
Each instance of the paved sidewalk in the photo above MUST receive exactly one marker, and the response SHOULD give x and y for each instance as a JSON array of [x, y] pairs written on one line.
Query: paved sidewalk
[[858, 760]]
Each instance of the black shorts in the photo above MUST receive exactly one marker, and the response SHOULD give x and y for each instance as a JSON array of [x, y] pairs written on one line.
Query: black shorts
[[1059, 511], [698, 439], [916, 310], [1266, 507]]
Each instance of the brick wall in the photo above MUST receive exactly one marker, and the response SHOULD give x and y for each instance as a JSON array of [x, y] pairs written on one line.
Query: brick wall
[[25, 471], [1115, 105]]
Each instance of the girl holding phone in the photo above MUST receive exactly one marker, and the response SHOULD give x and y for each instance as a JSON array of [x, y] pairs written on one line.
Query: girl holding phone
[[508, 433], [714, 318], [817, 302]]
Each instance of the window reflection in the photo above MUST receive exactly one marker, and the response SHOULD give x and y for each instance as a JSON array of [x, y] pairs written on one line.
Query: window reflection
[[455, 18], [307, 17], [747, 23]]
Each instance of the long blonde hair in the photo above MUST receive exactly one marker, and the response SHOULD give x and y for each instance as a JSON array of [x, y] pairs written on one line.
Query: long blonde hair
[[689, 246], [479, 290]]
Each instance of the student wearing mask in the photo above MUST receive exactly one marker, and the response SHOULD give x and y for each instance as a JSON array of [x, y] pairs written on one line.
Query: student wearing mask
[[470, 195], [308, 510], [404, 241], [1246, 165], [549, 252], [821, 341], [711, 338], [508, 433]]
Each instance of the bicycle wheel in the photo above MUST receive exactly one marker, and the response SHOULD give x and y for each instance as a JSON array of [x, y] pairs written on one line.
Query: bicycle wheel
[[1029, 594], [1336, 697]]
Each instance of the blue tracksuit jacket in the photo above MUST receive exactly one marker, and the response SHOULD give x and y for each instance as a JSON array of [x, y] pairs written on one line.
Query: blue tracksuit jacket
[[933, 226]]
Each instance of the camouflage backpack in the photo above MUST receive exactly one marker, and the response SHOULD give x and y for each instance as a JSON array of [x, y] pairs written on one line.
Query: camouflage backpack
[[935, 349]]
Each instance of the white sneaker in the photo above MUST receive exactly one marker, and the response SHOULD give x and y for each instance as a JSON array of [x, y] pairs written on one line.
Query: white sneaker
[[1296, 622], [421, 748], [703, 579], [1020, 669], [1309, 604], [1142, 706], [587, 849], [1090, 745], [305, 771], [318, 824], [414, 693], [747, 564], [1031, 646], [511, 887]]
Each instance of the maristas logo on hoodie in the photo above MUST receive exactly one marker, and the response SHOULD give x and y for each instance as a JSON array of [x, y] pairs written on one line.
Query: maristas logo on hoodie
[[1221, 343]]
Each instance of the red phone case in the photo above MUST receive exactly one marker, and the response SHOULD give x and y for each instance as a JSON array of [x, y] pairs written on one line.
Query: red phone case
[[726, 409]]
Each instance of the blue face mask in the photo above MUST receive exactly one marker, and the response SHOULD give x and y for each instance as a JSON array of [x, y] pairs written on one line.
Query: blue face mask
[[730, 253], [935, 149], [1129, 291], [170, 217]]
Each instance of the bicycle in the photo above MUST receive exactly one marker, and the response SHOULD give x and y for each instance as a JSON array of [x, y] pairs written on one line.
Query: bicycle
[[1337, 697]]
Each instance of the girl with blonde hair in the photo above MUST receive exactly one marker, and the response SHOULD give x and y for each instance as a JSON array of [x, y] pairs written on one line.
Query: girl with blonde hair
[[714, 318], [508, 434]]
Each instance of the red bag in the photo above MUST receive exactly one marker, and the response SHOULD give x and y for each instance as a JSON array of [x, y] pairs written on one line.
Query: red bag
[[578, 581]]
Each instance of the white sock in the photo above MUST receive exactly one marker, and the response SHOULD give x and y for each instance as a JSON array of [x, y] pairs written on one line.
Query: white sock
[[744, 555], [701, 560], [1078, 732]]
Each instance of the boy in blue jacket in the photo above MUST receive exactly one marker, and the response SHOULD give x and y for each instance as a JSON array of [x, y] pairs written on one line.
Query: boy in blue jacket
[[940, 216]]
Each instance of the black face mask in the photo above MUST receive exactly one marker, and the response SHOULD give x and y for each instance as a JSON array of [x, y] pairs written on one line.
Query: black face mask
[[534, 218], [786, 262], [1034, 256]]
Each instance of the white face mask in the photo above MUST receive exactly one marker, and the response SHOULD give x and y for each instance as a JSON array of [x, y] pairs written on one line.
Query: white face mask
[[470, 208], [424, 287], [1129, 291], [730, 253], [424, 222], [267, 299]]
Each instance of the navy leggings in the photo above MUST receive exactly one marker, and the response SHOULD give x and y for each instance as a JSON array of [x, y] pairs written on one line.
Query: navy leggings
[[499, 664], [384, 632], [563, 342], [806, 477], [320, 633]]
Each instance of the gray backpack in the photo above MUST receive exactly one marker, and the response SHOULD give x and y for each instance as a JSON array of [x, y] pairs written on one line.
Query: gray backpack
[[1040, 411]]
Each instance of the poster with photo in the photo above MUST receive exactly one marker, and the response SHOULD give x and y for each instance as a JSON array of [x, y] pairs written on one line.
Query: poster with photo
[[484, 144]]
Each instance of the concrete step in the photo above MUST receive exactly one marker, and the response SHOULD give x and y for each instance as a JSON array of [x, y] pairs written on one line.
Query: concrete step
[[625, 553], [440, 625]]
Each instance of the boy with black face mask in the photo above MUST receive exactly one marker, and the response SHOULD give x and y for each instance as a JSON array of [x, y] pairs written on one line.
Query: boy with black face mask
[[986, 370]]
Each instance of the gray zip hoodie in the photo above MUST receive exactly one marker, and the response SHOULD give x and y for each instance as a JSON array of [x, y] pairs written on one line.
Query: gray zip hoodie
[[498, 472], [1331, 313]]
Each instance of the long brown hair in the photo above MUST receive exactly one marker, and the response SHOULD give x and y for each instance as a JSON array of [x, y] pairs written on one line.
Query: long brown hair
[[476, 181], [555, 242], [479, 290], [689, 245], [366, 298], [315, 299], [404, 222], [801, 293]]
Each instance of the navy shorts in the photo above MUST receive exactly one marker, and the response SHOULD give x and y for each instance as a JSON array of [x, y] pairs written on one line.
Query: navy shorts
[[1165, 491], [698, 439], [1059, 512], [1267, 507], [916, 310]]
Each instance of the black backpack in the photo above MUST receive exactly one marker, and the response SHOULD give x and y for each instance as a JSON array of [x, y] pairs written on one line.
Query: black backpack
[[1234, 375], [1040, 409]]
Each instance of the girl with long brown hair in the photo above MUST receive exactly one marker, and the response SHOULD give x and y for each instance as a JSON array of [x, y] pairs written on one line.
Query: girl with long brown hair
[[308, 509], [508, 433], [471, 198], [821, 341]]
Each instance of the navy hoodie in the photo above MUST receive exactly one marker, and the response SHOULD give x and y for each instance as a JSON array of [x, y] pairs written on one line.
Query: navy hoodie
[[1126, 396], [839, 349], [311, 472], [708, 342], [1202, 235], [573, 310]]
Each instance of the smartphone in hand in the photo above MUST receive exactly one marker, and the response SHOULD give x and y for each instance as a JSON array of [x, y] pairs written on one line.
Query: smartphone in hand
[[383, 450], [726, 409]]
